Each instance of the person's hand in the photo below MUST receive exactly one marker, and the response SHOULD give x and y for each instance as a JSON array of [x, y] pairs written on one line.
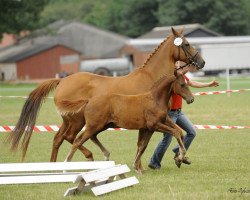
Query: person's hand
[[213, 84]]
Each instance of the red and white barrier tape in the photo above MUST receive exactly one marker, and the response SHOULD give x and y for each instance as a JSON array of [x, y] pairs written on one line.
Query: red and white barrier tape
[[219, 127], [219, 92], [50, 128], [20, 97], [196, 94]]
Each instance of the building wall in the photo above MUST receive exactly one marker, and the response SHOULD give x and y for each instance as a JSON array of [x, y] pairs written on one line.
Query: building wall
[[46, 64], [139, 58], [7, 39], [70, 63], [9, 70], [70, 68], [226, 56], [200, 33]]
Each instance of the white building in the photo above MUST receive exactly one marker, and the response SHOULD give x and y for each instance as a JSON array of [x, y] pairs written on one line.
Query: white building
[[220, 53]]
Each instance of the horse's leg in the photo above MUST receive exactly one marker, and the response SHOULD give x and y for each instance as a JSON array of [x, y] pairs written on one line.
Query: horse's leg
[[78, 142], [76, 126], [87, 153], [58, 140], [105, 152], [142, 145], [174, 130], [141, 134]]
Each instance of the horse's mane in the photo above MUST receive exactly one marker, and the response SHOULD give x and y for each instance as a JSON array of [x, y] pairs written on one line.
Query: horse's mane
[[157, 94], [155, 50], [156, 83]]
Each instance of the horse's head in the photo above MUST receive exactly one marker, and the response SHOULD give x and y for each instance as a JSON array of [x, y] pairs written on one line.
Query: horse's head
[[183, 51], [181, 88]]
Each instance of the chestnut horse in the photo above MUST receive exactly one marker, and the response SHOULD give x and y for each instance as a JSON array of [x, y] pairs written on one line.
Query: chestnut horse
[[146, 111], [84, 85]]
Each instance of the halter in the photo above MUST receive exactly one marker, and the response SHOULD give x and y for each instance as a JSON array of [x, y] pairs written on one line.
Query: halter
[[189, 57]]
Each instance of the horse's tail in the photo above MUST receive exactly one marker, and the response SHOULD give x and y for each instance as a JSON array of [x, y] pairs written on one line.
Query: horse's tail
[[28, 115], [71, 106]]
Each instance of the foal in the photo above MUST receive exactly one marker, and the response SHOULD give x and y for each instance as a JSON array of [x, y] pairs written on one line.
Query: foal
[[147, 111]]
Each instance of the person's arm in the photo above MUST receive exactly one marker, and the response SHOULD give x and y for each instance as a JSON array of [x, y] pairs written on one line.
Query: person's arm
[[196, 84]]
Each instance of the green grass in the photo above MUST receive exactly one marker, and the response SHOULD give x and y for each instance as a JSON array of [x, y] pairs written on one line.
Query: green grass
[[220, 158]]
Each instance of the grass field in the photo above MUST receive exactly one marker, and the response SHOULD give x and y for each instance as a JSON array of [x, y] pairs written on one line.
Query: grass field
[[220, 158]]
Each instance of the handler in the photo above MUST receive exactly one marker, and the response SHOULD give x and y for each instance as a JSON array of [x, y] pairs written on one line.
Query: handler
[[183, 122]]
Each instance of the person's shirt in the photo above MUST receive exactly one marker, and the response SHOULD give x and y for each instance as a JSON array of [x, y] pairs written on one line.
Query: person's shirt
[[176, 102]]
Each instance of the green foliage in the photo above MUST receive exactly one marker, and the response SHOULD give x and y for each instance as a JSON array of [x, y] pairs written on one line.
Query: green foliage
[[131, 17], [139, 17], [100, 13], [246, 4], [68, 10], [18, 15], [226, 17]]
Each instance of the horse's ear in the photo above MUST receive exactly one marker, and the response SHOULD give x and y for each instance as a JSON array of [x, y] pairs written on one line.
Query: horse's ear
[[181, 30], [175, 33]]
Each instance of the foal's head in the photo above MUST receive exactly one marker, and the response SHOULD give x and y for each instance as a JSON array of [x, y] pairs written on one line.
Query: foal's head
[[181, 88]]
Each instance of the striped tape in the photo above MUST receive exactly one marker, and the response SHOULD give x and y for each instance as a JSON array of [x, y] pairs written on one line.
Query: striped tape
[[200, 127], [20, 97], [196, 94], [50, 128], [219, 92]]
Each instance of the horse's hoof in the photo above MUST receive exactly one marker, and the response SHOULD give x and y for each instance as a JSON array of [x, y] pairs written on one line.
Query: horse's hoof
[[67, 160], [178, 163], [178, 160], [106, 158], [138, 171], [186, 161]]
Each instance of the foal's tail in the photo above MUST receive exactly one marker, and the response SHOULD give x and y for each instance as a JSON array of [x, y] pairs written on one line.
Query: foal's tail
[[28, 115]]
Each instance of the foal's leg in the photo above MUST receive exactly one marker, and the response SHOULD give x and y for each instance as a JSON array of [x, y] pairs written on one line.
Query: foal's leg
[[87, 153], [89, 132], [70, 128], [70, 137], [174, 130], [142, 145], [105, 152]]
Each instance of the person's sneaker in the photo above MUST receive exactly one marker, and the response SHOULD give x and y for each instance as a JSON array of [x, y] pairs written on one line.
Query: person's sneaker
[[153, 167]]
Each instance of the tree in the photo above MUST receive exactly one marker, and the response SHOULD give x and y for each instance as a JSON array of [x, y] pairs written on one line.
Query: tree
[[247, 7], [139, 17], [131, 17], [67, 10], [18, 15], [224, 16]]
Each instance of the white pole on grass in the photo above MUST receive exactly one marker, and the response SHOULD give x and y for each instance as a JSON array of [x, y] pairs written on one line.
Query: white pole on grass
[[228, 81]]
